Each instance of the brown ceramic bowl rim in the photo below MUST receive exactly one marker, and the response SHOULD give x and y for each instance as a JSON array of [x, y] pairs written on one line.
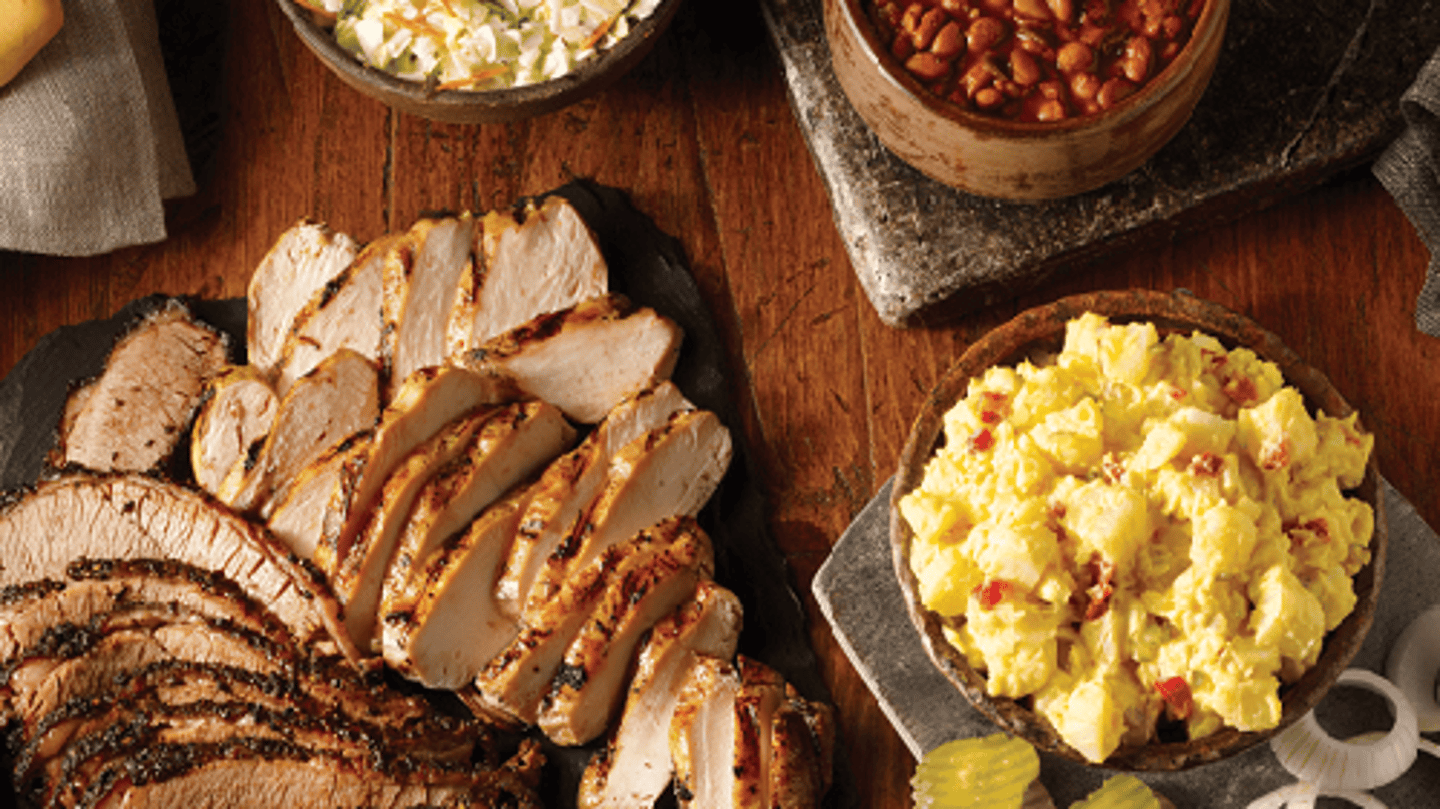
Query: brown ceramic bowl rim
[[1213, 15], [1042, 328], [597, 70]]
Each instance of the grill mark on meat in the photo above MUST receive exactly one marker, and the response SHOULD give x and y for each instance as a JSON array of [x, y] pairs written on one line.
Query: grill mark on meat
[[670, 470], [589, 689], [635, 765]]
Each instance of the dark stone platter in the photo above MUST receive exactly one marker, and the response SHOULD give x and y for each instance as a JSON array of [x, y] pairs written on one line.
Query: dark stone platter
[[647, 265], [1302, 92]]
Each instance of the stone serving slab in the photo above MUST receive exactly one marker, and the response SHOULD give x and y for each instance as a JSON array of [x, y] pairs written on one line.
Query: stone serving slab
[[1302, 91], [860, 596]]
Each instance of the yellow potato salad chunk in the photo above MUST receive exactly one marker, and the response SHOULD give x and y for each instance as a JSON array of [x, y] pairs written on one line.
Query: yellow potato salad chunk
[[1140, 525]]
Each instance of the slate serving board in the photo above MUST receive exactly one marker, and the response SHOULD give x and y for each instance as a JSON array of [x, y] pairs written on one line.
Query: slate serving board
[[860, 596], [646, 264], [1302, 91]]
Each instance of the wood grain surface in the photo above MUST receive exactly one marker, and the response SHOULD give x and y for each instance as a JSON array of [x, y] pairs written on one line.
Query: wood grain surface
[[703, 138]]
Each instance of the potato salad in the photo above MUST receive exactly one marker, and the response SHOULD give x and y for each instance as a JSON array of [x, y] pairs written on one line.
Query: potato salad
[[481, 44], [1140, 526]]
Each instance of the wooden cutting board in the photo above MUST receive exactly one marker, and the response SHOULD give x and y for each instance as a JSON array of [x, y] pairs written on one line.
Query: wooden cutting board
[[1302, 91]]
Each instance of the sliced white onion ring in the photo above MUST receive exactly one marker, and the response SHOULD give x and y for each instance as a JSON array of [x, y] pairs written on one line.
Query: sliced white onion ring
[[1314, 756], [1303, 795], [1413, 665]]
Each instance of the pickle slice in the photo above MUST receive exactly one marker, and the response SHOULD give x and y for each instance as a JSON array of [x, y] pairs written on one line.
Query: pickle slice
[[990, 771], [1121, 792]]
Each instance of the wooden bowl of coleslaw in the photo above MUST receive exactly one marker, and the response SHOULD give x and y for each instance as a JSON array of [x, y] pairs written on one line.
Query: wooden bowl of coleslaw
[[469, 89]]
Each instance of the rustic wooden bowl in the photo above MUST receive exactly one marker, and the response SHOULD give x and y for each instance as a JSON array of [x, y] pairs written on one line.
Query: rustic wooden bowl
[[483, 106], [1042, 330], [1006, 159]]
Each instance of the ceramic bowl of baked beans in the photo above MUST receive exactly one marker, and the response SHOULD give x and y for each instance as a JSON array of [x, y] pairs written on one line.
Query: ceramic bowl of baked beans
[[1025, 99]]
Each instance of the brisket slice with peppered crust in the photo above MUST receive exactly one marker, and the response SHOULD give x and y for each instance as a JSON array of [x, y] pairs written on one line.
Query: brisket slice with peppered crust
[[95, 587], [86, 516], [258, 772], [132, 417]]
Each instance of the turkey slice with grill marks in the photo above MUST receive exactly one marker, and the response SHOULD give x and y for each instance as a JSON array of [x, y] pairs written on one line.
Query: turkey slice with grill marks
[[336, 400], [589, 686], [358, 579], [427, 401], [134, 517], [512, 446], [669, 471], [131, 417], [573, 481], [302, 261], [513, 683], [702, 736], [801, 753], [344, 313], [298, 519], [238, 411], [587, 358], [634, 767], [762, 691], [542, 260], [446, 625], [420, 281]]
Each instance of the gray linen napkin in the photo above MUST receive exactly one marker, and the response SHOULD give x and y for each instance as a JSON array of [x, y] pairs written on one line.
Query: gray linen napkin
[[1410, 171], [89, 140]]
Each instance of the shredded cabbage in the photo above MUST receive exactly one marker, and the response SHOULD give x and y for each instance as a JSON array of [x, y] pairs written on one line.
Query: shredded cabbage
[[482, 44]]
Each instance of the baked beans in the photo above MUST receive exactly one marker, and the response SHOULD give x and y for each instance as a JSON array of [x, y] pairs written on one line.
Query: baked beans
[[1034, 60]]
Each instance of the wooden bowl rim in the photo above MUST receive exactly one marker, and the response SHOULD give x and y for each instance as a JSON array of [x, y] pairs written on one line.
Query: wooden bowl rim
[[1212, 22], [483, 106], [1010, 342]]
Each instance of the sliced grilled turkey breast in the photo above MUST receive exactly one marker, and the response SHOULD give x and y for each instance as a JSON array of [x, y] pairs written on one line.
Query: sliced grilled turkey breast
[[587, 358], [420, 284], [762, 691], [670, 470], [359, 579], [83, 516], [799, 763], [428, 400], [587, 689], [514, 681], [302, 261], [446, 625], [542, 260], [344, 313], [702, 736], [634, 767], [513, 445], [131, 417], [297, 518], [337, 399], [573, 481], [237, 413]]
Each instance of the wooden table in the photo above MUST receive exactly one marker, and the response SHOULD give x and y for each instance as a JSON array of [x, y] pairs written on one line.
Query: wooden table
[[702, 136]]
